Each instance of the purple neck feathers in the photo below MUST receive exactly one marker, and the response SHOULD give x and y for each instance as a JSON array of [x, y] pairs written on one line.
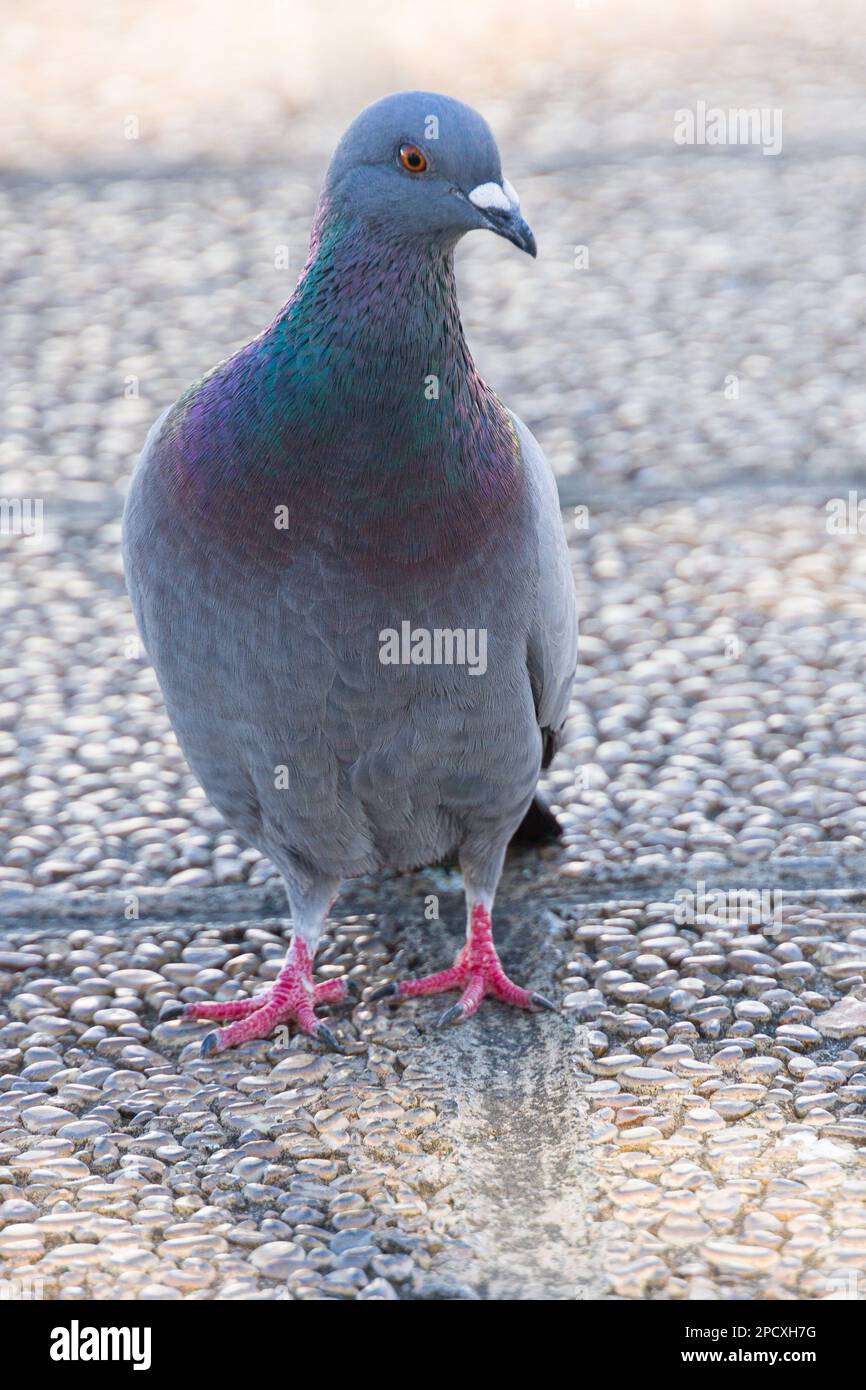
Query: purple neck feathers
[[360, 397]]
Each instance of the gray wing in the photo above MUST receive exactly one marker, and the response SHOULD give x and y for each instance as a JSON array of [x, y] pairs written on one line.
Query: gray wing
[[552, 640]]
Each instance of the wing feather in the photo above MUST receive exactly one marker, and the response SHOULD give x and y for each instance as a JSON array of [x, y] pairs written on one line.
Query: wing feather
[[552, 641]]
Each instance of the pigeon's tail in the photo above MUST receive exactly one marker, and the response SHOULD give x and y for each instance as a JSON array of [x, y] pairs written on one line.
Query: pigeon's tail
[[538, 827]]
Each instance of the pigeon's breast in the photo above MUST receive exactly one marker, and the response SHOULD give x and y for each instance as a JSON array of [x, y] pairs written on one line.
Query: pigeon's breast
[[347, 679]]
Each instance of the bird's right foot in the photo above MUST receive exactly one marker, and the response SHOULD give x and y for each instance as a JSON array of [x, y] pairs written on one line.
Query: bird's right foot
[[291, 999]]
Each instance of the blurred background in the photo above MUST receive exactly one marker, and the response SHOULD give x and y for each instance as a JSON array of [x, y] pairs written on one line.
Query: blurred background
[[688, 349]]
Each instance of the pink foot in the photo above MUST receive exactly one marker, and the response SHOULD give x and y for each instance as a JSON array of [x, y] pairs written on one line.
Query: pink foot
[[291, 999], [477, 971]]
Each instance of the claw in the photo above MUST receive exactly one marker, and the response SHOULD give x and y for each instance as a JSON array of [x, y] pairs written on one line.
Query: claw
[[325, 1035], [173, 1010], [210, 1043], [541, 1002], [385, 991], [451, 1015]]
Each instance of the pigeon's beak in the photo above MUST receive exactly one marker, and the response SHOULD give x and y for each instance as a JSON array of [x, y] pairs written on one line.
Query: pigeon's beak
[[501, 208], [514, 228]]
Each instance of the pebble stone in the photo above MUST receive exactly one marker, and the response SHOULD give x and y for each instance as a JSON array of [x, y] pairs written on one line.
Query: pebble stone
[[746, 1181]]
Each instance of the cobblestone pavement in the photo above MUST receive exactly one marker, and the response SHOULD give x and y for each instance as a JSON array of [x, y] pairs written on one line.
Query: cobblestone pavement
[[692, 1124]]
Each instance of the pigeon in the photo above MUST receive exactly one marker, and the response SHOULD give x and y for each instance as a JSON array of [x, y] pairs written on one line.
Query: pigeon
[[348, 568]]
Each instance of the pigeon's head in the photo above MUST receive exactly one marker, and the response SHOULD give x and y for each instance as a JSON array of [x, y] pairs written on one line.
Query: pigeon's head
[[425, 167]]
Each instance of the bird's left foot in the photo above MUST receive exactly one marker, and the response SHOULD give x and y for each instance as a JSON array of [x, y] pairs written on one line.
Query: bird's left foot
[[477, 971]]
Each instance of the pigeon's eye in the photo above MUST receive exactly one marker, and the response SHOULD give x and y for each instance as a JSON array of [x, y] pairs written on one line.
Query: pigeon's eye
[[413, 159]]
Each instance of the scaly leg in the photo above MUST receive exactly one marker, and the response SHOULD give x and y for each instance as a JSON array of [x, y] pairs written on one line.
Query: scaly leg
[[293, 996], [477, 971]]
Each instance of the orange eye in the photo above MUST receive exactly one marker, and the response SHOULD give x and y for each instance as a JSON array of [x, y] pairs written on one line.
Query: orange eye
[[413, 159]]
